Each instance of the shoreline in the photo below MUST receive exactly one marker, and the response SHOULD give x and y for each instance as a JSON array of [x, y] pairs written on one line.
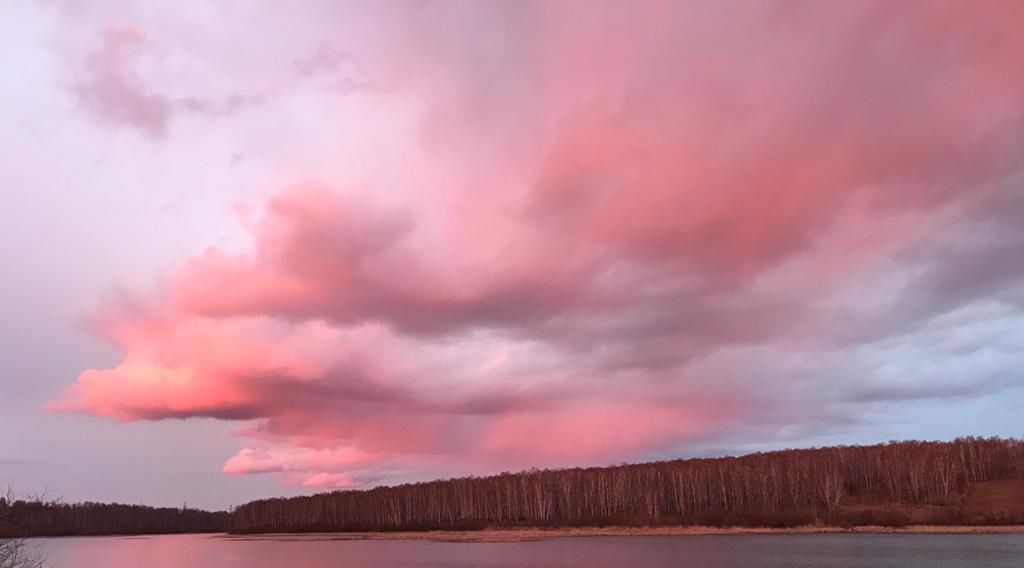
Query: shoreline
[[535, 534]]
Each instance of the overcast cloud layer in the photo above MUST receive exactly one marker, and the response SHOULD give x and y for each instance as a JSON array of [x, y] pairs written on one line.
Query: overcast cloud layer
[[449, 238]]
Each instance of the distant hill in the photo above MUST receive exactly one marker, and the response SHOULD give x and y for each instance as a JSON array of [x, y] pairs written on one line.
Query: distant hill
[[966, 481]]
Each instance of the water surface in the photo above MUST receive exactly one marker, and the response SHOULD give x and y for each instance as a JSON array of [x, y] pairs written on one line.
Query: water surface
[[697, 551]]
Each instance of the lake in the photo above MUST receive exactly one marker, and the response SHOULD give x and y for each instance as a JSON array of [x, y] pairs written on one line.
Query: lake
[[698, 551]]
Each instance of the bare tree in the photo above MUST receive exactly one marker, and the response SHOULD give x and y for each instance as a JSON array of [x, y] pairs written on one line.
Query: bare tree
[[15, 552], [781, 488]]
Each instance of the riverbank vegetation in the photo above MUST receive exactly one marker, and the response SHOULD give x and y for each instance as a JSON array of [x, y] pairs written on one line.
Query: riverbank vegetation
[[894, 484], [537, 533], [966, 482], [37, 517]]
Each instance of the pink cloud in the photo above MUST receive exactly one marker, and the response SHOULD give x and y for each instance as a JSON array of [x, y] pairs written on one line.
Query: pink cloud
[[679, 188], [249, 460], [594, 430], [327, 481], [192, 367]]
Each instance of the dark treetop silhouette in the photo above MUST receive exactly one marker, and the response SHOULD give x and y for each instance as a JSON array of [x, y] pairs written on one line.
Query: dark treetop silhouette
[[895, 483], [967, 481]]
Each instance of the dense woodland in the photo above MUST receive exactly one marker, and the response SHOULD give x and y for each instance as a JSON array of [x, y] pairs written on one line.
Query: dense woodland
[[785, 488], [894, 483], [41, 518]]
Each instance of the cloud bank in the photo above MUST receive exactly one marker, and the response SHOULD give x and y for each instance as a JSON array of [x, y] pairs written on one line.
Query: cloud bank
[[637, 229]]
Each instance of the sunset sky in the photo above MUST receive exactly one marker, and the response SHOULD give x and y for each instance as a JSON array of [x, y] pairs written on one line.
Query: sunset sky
[[264, 248]]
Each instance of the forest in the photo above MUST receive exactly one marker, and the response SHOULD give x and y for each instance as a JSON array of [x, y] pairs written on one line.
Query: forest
[[39, 517], [889, 484], [966, 481]]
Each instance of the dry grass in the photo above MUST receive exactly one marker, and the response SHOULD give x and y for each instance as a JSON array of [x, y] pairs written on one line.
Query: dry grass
[[524, 535], [995, 499], [982, 502]]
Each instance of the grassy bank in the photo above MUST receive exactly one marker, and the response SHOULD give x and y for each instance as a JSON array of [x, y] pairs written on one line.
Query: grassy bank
[[531, 534]]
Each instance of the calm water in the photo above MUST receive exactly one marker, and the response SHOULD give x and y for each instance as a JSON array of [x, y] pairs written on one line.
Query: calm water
[[782, 551]]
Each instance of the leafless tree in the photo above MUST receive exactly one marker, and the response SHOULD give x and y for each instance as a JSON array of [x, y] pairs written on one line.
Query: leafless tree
[[15, 552], [782, 488], [776, 489], [38, 517]]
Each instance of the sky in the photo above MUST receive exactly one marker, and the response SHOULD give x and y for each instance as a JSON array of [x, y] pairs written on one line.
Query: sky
[[264, 248]]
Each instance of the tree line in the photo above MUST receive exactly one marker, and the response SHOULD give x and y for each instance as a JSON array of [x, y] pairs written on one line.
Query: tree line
[[834, 485], [781, 488], [38, 517]]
